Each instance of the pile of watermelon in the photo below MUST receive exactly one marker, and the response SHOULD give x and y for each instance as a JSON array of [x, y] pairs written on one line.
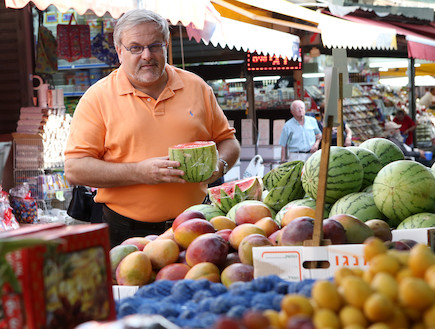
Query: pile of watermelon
[[370, 181]]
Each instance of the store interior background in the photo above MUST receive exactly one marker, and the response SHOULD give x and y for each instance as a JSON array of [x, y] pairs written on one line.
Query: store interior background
[[380, 87]]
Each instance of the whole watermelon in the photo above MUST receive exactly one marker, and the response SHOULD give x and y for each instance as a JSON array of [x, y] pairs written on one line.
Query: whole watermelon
[[358, 204], [198, 160], [424, 219], [385, 150], [404, 188], [370, 162], [285, 188], [345, 174]]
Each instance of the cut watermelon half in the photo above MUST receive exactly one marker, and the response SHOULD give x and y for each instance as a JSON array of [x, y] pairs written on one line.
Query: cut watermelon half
[[228, 194]]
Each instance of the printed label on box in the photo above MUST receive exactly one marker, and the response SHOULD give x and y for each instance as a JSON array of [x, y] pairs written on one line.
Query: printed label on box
[[294, 263]]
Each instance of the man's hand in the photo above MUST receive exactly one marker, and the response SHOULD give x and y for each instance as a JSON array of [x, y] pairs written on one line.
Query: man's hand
[[159, 170]]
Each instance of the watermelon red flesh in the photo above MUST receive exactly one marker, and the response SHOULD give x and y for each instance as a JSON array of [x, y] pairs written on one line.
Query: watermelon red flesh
[[192, 145], [228, 194]]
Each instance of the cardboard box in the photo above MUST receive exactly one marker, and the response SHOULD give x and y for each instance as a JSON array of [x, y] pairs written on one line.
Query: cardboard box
[[293, 263], [62, 285], [120, 292], [421, 235]]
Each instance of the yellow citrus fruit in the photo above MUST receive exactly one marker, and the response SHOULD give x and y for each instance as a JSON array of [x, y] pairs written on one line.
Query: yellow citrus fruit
[[283, 319], [293, 304], [384, 263], [325, 295], [402, 256], [386, 284], [341, 273], [378, 325], [325, 318], [273, 317], [373, 246], [416, 293], [378, 307], [351, 315], [420, 259], [354, 326], [429, 276], [398, 319], [403, 273], [429, 317], [355, 290]]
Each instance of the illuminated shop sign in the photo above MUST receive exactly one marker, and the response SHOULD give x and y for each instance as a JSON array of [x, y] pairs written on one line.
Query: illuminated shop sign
[[256, 63]]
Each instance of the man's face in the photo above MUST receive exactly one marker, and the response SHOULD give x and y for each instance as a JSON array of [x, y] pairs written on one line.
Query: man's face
[[147, 68], [298, 110]]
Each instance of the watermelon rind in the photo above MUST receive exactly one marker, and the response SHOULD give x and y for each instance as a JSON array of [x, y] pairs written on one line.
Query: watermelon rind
[[404, 188], [273, 178], [288, 188], [208, 210], [370, 162], [359, 204], [198, 160], [345, 174], [421, 220], [433, 169], [385, 150]]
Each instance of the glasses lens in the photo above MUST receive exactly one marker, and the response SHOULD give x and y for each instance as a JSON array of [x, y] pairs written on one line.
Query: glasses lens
[[136, 49], [155, 47]]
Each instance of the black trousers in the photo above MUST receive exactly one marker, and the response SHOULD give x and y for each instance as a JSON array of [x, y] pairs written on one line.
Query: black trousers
[[121, 228]]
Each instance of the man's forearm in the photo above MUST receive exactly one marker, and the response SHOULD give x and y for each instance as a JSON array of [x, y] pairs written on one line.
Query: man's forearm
[[98, 173]]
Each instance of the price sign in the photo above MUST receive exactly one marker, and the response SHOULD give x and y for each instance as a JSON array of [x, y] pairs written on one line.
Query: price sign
[[256, 63]]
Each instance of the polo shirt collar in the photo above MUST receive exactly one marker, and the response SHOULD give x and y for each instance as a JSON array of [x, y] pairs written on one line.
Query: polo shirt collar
[[174, 82]]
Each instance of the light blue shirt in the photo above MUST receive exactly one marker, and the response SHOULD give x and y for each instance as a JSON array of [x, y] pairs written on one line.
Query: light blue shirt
[[299, 138]]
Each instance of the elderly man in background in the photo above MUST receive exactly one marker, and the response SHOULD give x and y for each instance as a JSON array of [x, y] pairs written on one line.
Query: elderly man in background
[[300, 134], [392, 133]]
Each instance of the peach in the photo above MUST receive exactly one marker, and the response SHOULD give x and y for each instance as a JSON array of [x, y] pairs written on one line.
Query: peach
[[334, 231], [117, 253], [222, 223], [208, 247], [274, 237], [240, 231], [232, 257], [139, 242], [134, 270], [246, 245], [249, 211], [175, 271], [205, 270], [189, 230], [268, 225], [295, 212], [224, 233], [356, 230], [237, 272], [297, 231], [186, 215], [162, 252]]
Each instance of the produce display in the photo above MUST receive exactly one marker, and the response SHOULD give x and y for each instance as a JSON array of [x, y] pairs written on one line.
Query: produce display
[[210, 246]]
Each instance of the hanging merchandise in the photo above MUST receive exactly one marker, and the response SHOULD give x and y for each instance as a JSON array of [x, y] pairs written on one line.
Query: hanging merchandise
[[103, 48], [46, 55], [74, 41]]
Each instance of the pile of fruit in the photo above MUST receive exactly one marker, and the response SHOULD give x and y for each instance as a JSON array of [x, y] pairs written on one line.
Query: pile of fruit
[[397, 290]]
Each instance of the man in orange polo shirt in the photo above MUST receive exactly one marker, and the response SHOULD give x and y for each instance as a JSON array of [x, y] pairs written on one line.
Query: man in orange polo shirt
[[125, 123]]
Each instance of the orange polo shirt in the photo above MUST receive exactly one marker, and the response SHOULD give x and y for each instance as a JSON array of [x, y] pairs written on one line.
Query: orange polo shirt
[[117, 123]]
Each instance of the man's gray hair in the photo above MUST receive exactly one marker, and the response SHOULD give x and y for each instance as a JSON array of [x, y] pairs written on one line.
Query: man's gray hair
[[295, 103], [138, 16]]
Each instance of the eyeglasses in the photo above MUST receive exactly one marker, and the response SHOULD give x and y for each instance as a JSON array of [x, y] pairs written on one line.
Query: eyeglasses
[[153, 48]]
